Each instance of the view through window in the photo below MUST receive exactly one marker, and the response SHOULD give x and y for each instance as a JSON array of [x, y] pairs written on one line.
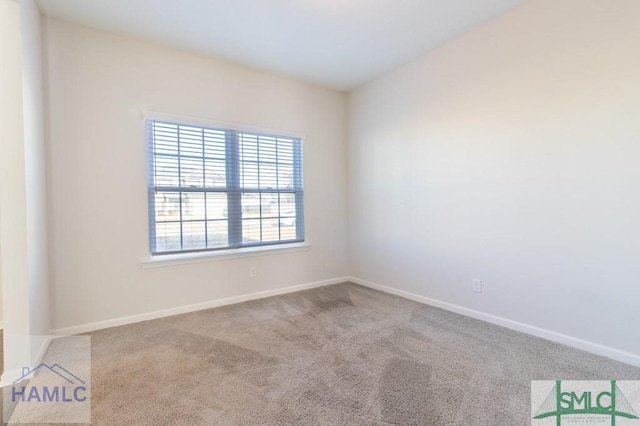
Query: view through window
[[212, 189]]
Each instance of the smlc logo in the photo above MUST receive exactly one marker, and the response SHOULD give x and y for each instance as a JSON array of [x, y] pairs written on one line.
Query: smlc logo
[[585, 402], [61, 386]]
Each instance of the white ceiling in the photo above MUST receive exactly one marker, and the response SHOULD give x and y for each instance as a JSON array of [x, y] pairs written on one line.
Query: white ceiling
[[339, 44]]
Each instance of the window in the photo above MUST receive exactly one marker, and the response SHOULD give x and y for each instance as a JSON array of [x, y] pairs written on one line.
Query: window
[[212, 188]]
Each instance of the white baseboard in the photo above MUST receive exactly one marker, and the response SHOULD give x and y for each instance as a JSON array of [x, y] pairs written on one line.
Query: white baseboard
[[595, 348], [85, 328], [9, 376], [1, 325], [39, 353]]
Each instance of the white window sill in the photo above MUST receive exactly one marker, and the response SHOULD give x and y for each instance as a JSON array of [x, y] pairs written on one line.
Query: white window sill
[[214, 256]]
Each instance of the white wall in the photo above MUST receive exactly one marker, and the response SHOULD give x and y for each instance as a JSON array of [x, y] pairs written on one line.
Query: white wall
[[511, 155], [35, 169], [23, 206], [98, 86], [13, 224]]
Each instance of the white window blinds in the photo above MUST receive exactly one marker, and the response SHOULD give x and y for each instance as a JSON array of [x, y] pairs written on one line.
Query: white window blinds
[[212, 189]]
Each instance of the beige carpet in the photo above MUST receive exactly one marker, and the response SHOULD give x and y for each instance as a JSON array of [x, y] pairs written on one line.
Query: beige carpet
[[338, 355]]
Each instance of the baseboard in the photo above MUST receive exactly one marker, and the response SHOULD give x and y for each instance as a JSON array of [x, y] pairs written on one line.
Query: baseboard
[[1, 325], [41, 350], [85, 328], [595, 348], [9, 376]]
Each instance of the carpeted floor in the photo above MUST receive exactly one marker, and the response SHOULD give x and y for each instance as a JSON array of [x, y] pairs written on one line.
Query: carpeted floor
[[338, 355]]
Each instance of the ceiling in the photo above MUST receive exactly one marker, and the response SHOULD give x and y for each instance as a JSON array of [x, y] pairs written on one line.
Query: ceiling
[[339, 44]]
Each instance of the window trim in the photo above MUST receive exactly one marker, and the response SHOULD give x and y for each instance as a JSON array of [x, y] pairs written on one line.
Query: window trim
[[163, 260], [197, 256], [200, 122]]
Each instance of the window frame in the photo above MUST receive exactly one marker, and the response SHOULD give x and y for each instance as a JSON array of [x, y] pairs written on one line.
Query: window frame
[[233, 188]]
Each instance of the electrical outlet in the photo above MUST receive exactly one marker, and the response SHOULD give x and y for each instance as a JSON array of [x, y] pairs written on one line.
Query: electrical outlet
[[253, 272], [476, 285]]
